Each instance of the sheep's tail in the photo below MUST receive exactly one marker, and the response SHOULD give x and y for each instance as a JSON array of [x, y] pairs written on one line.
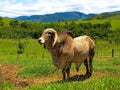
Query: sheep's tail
[[91, 48]]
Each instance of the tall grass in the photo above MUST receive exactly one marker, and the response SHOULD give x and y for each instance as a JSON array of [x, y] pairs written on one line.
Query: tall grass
[[37, 70], [33, 52], [104, 49], [37, 62], [103, 83], [7, 86], [106, 66]]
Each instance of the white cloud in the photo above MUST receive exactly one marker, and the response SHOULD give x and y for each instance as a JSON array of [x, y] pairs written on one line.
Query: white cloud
[[32, 7]]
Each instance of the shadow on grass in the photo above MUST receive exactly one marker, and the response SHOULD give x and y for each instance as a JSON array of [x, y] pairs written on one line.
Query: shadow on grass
[[75, 78]]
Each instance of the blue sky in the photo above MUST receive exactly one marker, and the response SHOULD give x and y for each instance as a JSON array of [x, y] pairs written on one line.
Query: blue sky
[[14, 8]]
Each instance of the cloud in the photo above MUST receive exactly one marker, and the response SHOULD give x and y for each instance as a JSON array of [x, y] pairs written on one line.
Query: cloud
[[39, 7]]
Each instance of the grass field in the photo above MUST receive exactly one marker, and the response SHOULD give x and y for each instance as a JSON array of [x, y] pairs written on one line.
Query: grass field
[[33, 70], [115, 24], [115, 17]]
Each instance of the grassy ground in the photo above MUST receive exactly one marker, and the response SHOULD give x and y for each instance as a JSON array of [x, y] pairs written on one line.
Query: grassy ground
[[33, 70], [114, 23]]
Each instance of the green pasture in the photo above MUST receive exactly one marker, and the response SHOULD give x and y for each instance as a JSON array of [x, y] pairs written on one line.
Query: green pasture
[[37, 62], [103, 83], [114, 17], [115, 24]]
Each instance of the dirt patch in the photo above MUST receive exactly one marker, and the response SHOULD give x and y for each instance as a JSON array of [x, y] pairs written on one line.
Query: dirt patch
[[56, 77], [118, 66], [99, 74], [46, 79], [53, 77], [105, 58], [10, 74]]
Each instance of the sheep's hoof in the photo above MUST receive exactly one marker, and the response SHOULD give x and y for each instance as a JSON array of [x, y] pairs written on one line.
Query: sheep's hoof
[[88, 75], [63, 79]]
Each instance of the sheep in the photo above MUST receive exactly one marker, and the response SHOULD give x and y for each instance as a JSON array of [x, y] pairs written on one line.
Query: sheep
[[65, 50]]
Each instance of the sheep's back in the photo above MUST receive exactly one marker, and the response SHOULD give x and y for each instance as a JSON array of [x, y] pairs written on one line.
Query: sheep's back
[[81, 49]]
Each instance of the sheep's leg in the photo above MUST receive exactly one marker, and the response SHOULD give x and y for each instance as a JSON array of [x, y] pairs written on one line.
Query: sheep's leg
[[90, 61], [90, 65], [86, 65], [63, 72], [68, 70]]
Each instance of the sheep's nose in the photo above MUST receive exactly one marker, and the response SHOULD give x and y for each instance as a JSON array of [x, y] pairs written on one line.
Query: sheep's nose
[[40, 40]]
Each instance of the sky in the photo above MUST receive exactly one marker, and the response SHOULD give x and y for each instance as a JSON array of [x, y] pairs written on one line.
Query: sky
[[14, 8]]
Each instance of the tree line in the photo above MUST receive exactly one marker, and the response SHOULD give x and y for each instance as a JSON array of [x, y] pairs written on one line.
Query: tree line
[[25, 29]]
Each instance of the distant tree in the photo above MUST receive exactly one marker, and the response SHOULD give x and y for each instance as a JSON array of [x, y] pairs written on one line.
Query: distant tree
[[14, 23], [116, 36], [21, 47], [1, 23], [1, 18], [24, 25], [107, 25]]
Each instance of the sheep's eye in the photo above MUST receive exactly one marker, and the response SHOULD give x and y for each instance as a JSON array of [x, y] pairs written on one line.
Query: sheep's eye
[[49, 33]]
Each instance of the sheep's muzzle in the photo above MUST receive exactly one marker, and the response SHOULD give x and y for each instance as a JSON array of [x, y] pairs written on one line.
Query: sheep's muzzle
[[41, 41]]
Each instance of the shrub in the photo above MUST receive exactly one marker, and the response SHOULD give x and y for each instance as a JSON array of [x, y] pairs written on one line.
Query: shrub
[[21, 47]]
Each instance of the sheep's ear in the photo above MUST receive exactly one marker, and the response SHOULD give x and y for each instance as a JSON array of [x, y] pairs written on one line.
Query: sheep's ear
[[70, 34]]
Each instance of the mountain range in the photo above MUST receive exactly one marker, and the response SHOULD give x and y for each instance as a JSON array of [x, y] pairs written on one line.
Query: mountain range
[[62, 16], [55, 17]]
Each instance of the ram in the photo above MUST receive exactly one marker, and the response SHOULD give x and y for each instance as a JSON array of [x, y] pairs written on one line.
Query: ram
[[65, 50]]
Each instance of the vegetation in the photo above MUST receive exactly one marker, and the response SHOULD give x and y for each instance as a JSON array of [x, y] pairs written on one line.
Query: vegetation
[[37, 62], [104, 83], [115, 17], [110, 16], [19, 47], [98, 29]]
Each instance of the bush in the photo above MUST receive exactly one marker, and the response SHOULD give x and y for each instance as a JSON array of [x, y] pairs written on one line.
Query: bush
[[21, 47], [1, 23]]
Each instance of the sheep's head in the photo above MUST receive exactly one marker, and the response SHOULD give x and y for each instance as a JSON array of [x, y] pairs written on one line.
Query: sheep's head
[[48, 36]]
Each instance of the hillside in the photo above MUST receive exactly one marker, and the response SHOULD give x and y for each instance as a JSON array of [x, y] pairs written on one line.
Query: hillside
[[62, 16], [114, 17], [107, 15], [55, 17]]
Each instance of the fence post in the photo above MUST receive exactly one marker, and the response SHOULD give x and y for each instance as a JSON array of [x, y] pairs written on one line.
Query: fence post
[[18, 40], [1, 78], [112, 52]]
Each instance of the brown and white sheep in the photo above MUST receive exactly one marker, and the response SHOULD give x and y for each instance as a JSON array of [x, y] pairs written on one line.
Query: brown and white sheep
[[65, 50]]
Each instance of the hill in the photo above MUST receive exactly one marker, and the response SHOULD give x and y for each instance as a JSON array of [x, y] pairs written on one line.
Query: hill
[[62, 16], [114, 17], [56, 17], [107, 15]]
